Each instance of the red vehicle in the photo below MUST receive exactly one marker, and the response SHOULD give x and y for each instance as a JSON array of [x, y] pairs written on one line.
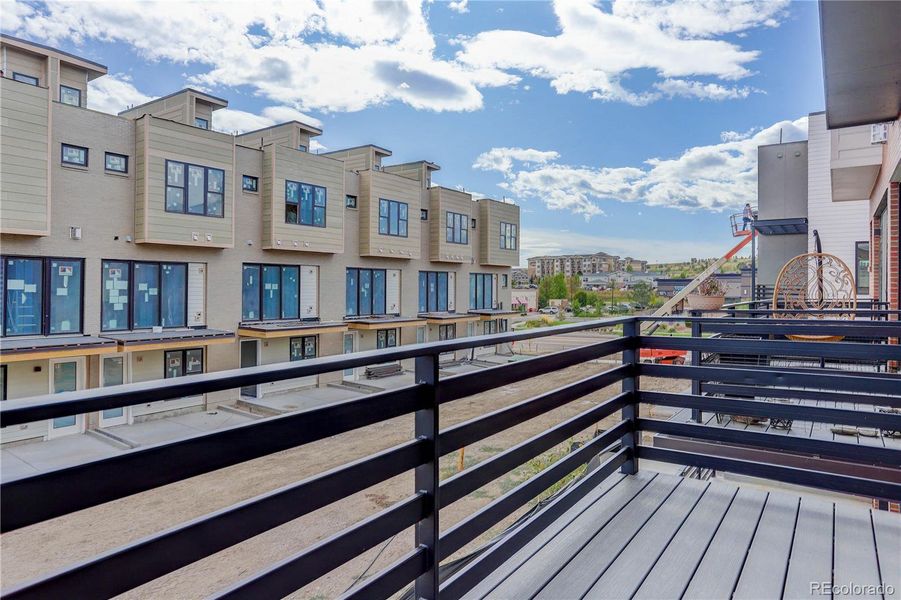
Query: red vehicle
[[663, 357]]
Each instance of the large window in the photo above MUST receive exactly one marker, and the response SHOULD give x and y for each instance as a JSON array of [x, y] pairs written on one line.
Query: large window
[[270, 292], [433, 291], [481, 291], [183, 362], [392, 217], [141, 295], [303, 348], [194, 190], [305, 204], [457, 230], [69, 95], [41, 296], [386, 338], [74, 155], [862, 266], [366, 292], [508, 236]]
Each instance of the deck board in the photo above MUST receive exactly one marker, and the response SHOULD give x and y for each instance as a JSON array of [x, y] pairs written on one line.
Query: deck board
[[764, 570], [854, 549], [887, 529]]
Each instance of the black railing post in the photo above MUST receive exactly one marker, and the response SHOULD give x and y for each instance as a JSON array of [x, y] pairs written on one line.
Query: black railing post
[[426, 479], [630, 384], [696, 361]]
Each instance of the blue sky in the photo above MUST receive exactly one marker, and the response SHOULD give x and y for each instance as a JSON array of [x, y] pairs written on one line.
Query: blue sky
[[625, 127]]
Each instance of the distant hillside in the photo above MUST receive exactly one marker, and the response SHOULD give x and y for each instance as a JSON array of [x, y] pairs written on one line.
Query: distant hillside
[[696, 265]]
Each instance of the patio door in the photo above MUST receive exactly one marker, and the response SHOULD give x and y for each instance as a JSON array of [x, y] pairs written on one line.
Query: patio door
[[66, 375], [250, 358], [349, 348], [113, 371]]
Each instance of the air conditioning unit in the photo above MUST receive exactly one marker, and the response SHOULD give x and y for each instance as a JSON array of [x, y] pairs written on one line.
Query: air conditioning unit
[[879, 133]]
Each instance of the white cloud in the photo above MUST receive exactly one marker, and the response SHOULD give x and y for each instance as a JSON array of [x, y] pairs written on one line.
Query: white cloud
[[685, 88], [460, 6], [114, 93], [715, 177]]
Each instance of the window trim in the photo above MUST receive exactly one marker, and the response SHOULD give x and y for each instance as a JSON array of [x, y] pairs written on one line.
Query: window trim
[[406, 220], [26, 79], [45, 297], [384, 333], [130, 324], [256, 184], [371, 312], [184, 188], [459, 225], [452, 327], [184, 353], [71, 89], [281, 268], [302, 339], [106, 167], [348, 203], [860, 290], [474, 299], [62, 155], [313, 206], [508, 231], [206, 123]]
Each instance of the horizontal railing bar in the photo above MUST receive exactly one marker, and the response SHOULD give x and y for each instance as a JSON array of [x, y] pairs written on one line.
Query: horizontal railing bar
[[792, 475], [818, 395], [146, 559], [820, 316], [479, 428], [467, 384], [831, 380], [754, 408], [392, 578], [829, 369], [294, 572], [464, 580], [471, 479], [878, 330], [845, 350], [467, 530], [776, 441], [43, 496]]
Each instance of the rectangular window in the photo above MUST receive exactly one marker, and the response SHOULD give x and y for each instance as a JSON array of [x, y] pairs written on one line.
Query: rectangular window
[[41, 296], [862, 266], [69, 95], [393, 217], [305, 204], [447, 332], [74, 155], [386, 338], [508, 236], [303, 348], [302, 147], [202, 123], [183, 362], [366, 292], [481, 289], [433, 291], [473, 223], [271, 292], [350, 201], [195, 190], [249, 183], [504, 280], [25, 78], [117, 163], [457, 232], [141, 295], [423, 214]]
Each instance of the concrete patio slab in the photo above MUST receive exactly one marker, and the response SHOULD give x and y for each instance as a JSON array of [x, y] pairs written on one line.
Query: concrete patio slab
[[36, 457], [179, 426], [302, 399]]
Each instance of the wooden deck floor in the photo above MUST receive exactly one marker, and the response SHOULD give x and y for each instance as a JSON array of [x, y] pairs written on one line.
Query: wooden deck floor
[[660, 536]]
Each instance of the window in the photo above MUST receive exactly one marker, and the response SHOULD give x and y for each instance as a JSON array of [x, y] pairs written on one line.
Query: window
[[350, 201], [69, 95], [862, 266], [303, 348], [302, 147], [2, 382], [457, 233], [74, 155], [433, 291], [194, 190], [392, 217], [117, 163], [305, 204], [141, 295], [423, 214], [473, 223], [386, 338], [249, 183], [504, 280], [270, 292], [41, 296], [183, 362], [25, 78], [481, 288], [447, 332], [508, 236], [366, 292], [202, 123]]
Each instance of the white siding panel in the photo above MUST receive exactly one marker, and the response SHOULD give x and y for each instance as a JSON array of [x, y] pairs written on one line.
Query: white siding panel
[[309, 292], [196, 294], [392, 291]]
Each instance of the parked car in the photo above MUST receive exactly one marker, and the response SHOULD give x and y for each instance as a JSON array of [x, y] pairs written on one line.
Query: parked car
[[549, 310]]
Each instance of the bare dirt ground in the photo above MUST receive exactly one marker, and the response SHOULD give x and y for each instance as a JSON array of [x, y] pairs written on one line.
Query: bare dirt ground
[[54, 544]]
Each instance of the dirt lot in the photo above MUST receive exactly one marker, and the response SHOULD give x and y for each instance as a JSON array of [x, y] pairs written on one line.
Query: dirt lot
[[35, 550]]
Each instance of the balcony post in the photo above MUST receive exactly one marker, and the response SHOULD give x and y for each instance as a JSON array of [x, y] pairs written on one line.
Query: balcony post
[[695, 361], [426, 477], [630, 385]]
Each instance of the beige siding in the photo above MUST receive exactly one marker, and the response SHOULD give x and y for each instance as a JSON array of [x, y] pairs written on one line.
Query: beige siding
[[282, 164], [175, 108], [491, 215], [25, 63], [409, 170], [75, 78], [442, 200], [375, 185], [355, 159], [25, 148], [167, 140]]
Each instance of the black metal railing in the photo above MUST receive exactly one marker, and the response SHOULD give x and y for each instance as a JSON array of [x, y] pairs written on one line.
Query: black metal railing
[[864, 470]]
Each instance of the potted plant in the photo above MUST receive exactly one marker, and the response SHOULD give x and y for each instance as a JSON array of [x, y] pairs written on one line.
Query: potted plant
[[708, 296]]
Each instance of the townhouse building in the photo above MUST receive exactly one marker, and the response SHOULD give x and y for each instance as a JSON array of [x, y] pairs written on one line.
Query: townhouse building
[[149, 245]]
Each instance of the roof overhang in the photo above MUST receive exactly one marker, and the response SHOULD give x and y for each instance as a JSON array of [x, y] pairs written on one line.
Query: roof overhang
[[496, 313], [94, 69], [273, 330], [15, 349], [781, 226], [442, 318], [861, 46], [387, 323], [169, 339]]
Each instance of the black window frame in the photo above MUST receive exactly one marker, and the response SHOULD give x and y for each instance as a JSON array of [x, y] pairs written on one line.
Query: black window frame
[[256, 184], [480, 281], [387, 218], [857, 268], [303, 339], [423, 214], [206, 123], [372, 302], [184, 361], [71, 89], [184, 189], [26, 79], [4, 380], [508, 231], [313, 206], [444, 329], [350, 201], [428, 298], [131, 291], [45, 295], [262, 290], [456, 223], [106, 167], [62, 155], [383, 339]]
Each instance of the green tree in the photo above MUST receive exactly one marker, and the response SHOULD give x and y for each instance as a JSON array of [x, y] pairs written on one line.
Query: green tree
[[643, 293], [551, 288], [629, 268]]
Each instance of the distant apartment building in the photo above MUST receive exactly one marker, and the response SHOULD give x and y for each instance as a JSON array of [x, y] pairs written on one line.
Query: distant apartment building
[[621, 279], [148, 245], [520, 277], [582, 264]]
